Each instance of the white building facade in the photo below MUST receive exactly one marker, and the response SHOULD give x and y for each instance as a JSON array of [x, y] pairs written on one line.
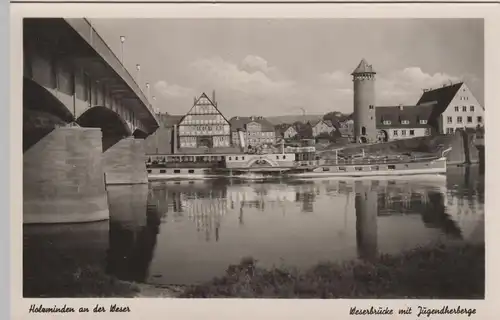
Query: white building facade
[[455, 108]]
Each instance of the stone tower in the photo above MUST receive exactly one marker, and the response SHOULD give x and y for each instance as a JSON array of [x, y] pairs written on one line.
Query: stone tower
[[364, 103]]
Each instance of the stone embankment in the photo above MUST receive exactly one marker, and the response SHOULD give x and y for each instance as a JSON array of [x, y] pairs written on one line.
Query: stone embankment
[[464, 150]]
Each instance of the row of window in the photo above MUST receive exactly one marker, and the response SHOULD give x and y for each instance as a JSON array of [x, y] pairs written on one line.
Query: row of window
[[255, 141], [388, 122], [460, 119], [376, 168], [204, 121], [243, 158], [257, 133], [403, 133], [464, 108]]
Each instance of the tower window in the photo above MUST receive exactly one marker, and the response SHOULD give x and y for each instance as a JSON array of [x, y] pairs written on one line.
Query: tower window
[[363, 130], [371, 107]]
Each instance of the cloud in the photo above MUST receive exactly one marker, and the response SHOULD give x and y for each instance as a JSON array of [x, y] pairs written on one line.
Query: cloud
[[252, 86], [405, 86], [256, 79], [337, 78], [172, 90]]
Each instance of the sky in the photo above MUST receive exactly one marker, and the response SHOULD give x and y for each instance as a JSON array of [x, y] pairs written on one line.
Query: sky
[[269, 67]]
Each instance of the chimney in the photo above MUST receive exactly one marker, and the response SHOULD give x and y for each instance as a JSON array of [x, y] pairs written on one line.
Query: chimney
[[213, 97], [194, 100], [400, 107]]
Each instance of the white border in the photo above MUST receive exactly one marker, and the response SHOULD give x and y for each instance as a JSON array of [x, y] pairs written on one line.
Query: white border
[[258, 308]]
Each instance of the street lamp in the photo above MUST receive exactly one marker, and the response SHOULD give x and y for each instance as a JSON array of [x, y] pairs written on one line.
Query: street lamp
[[138, 68], [122, 40]]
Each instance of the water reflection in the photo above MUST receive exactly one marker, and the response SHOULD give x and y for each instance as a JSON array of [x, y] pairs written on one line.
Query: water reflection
[[187, 232], [366, 206], [134, 227]]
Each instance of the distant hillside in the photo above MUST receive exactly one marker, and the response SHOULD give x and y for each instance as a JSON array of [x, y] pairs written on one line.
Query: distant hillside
[[293, 118]]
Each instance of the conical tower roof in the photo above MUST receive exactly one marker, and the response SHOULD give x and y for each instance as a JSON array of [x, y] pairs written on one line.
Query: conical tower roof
[[363, 67]]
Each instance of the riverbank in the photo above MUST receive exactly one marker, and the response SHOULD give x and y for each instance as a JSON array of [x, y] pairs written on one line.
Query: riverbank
[[451, 271]]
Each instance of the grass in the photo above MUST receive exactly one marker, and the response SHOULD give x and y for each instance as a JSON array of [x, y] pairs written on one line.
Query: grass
[[451, 272], [82, 282]]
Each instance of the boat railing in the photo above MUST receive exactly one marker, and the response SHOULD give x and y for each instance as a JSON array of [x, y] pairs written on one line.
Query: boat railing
[[162, 165], [364, 161]]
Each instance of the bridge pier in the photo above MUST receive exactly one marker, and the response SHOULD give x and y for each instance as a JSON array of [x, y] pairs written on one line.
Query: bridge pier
[[63, 181], [125, 162]]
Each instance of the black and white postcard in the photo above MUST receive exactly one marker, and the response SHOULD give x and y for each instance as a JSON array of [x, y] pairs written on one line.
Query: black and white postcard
[[253, 160]]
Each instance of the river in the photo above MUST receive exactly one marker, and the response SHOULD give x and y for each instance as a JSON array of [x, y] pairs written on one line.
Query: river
[[189, 232]]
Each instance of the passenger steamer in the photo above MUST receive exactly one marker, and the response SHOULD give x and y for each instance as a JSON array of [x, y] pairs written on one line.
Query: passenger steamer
[[299, 162]]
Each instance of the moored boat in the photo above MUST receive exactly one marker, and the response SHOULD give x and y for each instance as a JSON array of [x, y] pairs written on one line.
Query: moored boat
[[300, 163]]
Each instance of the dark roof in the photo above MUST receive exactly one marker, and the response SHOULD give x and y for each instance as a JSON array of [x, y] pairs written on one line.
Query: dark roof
[[396, 114], [240, 122], [282, 128], [363, 67], [440, 98], [315, 123]]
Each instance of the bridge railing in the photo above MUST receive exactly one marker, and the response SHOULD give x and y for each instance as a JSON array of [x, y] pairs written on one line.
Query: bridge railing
[[89, 34]]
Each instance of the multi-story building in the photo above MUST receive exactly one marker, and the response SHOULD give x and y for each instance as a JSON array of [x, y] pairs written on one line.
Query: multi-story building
[[256, 131], [204, 126], [286, 131], [441, 110], [322, 126], [402, 122], [454, 107], [346, 128], [290, 132]]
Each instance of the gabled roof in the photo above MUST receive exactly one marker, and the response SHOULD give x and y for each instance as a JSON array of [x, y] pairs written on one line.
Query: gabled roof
[[440, 98], [240, 122], [363, 67], [396, 114], [281, 129], [203, 95]]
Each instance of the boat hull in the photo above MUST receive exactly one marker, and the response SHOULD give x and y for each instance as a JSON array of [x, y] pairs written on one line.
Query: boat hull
[[435, 166]]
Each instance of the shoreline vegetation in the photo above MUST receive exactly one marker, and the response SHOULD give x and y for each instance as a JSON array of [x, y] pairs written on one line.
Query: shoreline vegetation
[[452, 271]]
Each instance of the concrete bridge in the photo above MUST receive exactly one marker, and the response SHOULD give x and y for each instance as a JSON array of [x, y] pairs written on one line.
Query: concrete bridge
[[84, 122]]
